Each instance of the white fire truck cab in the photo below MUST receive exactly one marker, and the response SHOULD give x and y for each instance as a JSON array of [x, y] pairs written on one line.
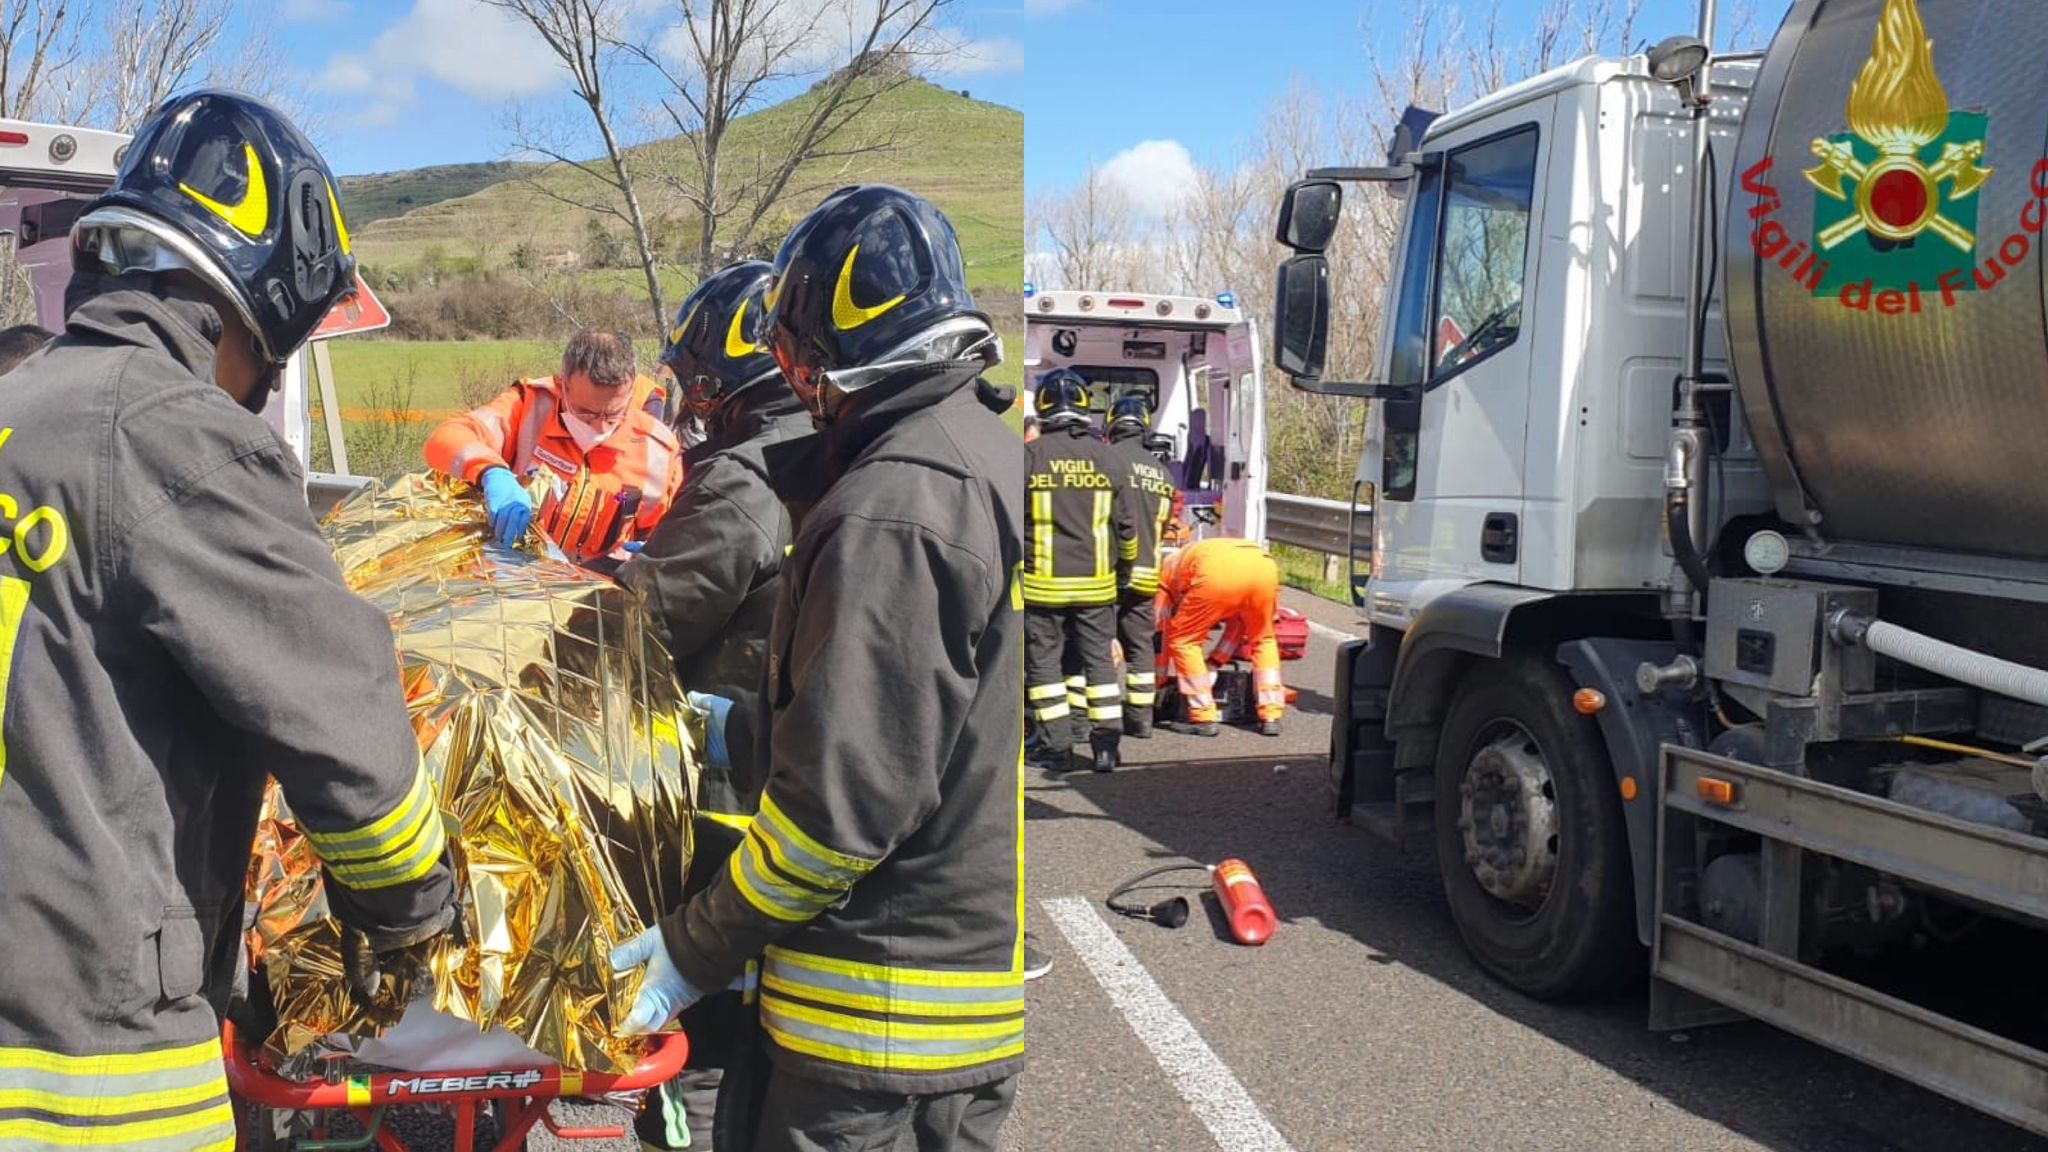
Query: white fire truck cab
[[1198, 363]]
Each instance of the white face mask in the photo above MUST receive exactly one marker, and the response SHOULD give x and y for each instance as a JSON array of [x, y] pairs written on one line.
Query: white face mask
[[586, 434]]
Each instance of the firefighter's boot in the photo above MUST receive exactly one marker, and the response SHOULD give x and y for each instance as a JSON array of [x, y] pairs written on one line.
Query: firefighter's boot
[[1106, 752]]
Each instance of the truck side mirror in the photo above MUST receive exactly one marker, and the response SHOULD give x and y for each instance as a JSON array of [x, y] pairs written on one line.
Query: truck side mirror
[[1301, 331], [1308, 214], [1301, 315]]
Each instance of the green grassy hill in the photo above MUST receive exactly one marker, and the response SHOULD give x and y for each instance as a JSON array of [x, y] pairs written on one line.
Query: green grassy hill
[[382, 195], [965, 155]]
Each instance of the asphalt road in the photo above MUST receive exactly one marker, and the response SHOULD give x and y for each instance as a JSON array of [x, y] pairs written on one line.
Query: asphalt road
[[1362, 1024]]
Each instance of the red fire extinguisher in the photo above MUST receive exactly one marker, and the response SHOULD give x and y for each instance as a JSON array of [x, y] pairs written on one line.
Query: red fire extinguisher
[[1244, 903]]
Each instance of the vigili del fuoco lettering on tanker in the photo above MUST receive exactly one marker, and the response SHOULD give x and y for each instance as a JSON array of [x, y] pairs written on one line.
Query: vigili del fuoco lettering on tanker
[[1895, 222]]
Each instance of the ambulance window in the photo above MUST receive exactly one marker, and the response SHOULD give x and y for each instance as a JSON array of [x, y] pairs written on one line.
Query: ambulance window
[[1109, 383], [1484, 248]]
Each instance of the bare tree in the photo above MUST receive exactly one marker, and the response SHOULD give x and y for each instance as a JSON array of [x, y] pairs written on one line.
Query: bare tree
[[152, 51], [1093, 232], [724, 58], [37, 41], [108, 63], [1219, 236], [585, 36]]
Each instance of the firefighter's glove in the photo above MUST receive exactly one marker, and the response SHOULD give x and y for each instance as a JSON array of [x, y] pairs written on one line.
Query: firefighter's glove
[[509, 506], [663, 992], [715, 710], [367, 957]]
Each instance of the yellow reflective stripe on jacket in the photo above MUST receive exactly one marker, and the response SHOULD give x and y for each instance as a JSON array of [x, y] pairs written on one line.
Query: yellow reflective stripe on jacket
[[769, 892], [13, 605], [871, 988], [888, 1045], [1099, 524], [785, 873], [401, 846], [1144, 580], [732, 820], [77, 1096], [1041, 537], [1060, 591], [209, 1130], [804, 856]]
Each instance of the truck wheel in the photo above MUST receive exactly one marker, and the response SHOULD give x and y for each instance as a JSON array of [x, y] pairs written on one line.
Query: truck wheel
[[1529, 836]]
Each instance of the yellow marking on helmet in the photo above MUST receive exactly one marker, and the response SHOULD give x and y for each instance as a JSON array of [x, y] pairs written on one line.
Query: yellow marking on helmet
[[251, 215], [340, 228], [846, 315], [737, 346], [682, 328]]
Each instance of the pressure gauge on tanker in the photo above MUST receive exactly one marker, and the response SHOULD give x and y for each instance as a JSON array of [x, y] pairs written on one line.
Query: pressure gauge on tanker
[[1767, 553]]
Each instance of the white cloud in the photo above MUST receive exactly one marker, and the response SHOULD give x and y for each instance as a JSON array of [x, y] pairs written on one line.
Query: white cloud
[[312, 11], [1047, 7], [478, 50], [348, 74], [1155, 175], [982, 57]]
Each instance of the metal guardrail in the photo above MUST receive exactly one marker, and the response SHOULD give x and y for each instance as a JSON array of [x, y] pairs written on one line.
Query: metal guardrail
[[1315, 524]]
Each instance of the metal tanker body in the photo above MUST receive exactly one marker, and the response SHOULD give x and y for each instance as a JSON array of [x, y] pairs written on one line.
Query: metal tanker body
[[1885, 292]]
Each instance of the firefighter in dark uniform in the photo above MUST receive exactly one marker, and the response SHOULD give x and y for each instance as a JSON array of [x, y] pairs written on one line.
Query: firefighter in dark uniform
[[1130, 418], [1080, 533], [174, 631], [710, 575], [881, 880]]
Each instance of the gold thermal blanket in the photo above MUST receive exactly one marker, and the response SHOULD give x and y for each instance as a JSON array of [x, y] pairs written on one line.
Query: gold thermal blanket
[[551, 724]]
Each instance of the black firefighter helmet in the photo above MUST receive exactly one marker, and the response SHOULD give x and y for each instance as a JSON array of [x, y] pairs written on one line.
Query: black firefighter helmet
[[1062, 399], [719, 345], [223, 186], [858, 281], [1130, 413]]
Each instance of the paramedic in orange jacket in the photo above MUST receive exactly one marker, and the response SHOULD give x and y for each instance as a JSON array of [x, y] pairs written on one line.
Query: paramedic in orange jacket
[[614, 465], [1236, 584]]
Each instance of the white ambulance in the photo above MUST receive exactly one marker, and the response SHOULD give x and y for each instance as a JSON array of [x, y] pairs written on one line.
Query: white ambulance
[[1199, 364]]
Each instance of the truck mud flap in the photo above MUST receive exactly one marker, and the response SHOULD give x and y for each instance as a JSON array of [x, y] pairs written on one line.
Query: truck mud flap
[[1634, 726], [1793, 816]]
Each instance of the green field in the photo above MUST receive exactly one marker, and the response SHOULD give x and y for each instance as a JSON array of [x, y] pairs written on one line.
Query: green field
[[965, 155], [437, 368], [382, 195], [1303, 569], [393, 392]]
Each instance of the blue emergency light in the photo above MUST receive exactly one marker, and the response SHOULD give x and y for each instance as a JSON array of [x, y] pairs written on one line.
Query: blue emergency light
[[1030, 289], [1224, 299]]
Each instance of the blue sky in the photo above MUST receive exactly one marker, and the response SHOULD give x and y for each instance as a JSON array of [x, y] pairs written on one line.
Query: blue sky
[[397, 84], [1108, 76]]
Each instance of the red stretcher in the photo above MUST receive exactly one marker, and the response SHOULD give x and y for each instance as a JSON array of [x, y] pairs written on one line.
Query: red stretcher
[[519, 1097]]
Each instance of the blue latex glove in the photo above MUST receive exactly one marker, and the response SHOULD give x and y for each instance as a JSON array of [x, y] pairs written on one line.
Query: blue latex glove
[[635, 545], [662, 990], [715, 750], [510, 508]]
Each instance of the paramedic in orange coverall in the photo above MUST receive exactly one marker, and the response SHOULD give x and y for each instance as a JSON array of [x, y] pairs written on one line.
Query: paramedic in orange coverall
[[1236, 584], [614, 466]]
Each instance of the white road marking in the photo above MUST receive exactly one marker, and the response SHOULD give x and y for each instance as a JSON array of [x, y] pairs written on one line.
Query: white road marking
[[1204, 1081], [1329, 633]]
